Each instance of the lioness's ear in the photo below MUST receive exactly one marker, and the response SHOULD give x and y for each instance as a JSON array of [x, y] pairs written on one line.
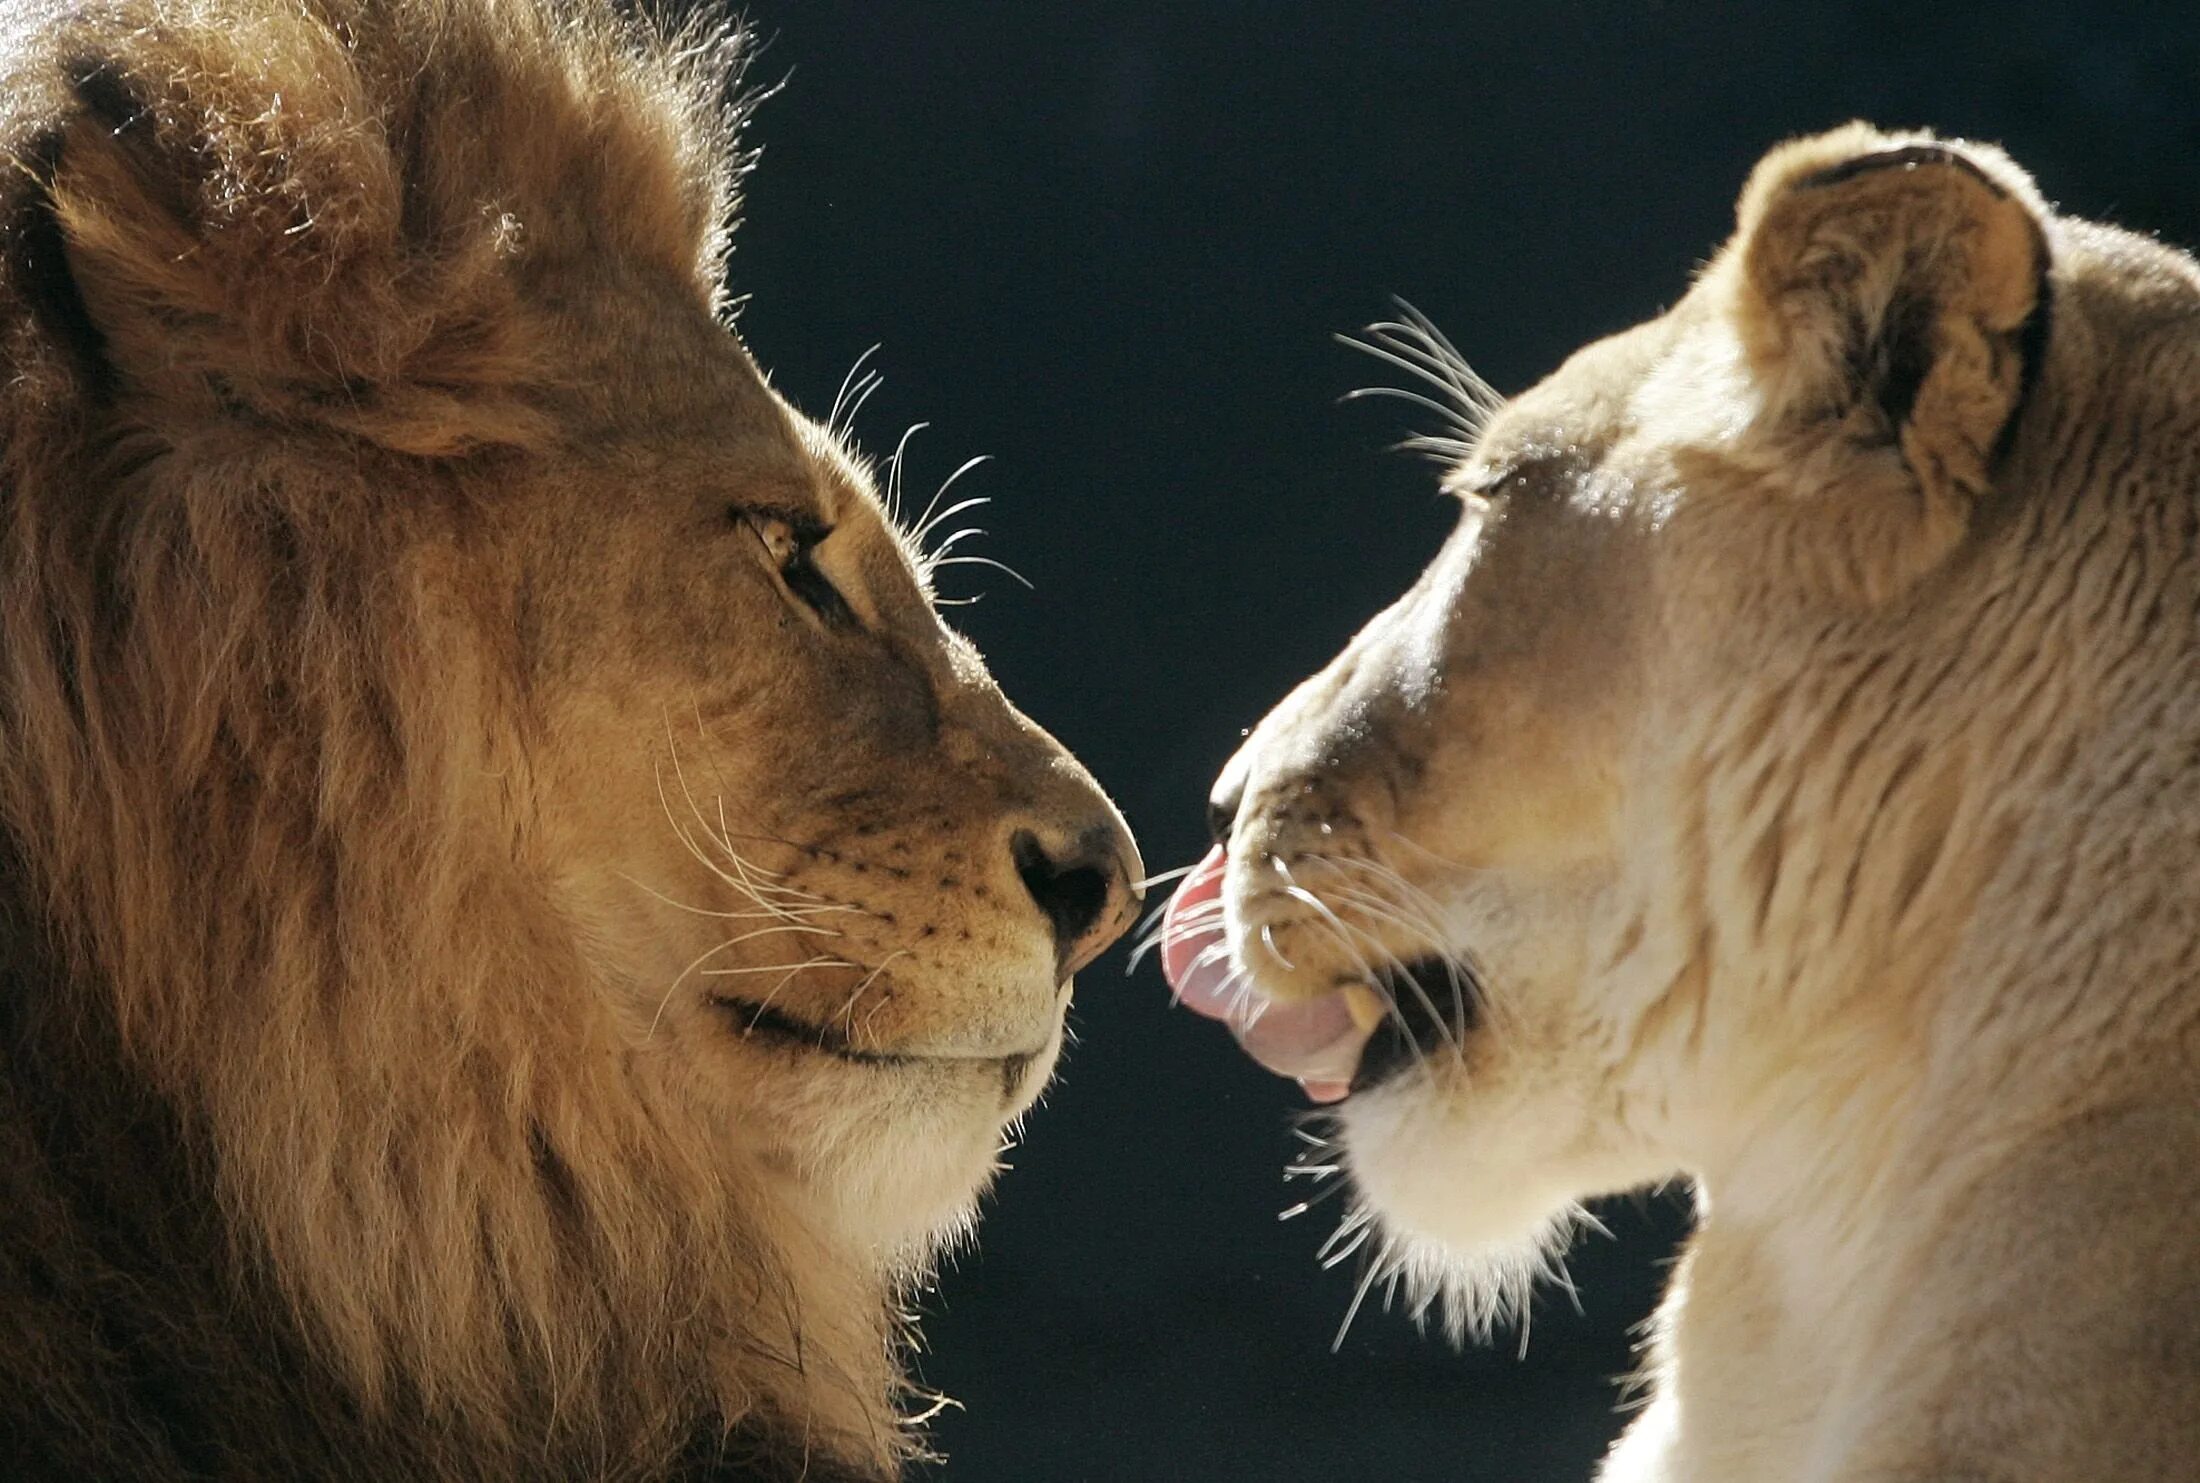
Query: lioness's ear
[[1887, 291]]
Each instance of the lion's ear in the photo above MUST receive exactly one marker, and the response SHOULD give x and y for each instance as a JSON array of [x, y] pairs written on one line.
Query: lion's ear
[[217, 199], [234, 223], [1888, 291]]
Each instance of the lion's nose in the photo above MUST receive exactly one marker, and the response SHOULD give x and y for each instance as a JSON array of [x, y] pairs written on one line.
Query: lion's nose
[[1084, 883]]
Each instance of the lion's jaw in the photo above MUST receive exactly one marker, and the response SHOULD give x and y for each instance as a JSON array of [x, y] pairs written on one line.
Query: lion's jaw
[[533, 832], [833, 883]]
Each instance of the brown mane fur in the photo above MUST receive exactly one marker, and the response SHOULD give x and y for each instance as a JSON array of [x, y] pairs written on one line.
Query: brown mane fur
[[266, 925]]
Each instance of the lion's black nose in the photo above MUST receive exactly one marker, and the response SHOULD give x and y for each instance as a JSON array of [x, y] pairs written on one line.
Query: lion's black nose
[[1083, 885]]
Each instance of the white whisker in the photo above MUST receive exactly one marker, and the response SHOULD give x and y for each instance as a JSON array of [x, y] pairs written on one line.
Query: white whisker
[[934, 517], [1462, 400], [999, 566], [894, 466], [747, 969], [840, 397], [1367, 1280]]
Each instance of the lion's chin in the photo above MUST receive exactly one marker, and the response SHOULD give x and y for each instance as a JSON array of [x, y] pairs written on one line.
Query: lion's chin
[[909, 1148]]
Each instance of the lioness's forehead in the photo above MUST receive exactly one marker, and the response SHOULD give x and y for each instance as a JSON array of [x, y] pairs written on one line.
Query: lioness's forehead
[[1574, 417]]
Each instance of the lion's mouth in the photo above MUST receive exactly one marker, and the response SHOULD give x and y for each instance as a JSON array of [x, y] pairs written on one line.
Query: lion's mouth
[[762, 1021], [1354, 1037]]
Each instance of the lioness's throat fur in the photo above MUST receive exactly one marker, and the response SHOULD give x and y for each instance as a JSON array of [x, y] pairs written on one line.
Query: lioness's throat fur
[[521, 931], [1788, 770]]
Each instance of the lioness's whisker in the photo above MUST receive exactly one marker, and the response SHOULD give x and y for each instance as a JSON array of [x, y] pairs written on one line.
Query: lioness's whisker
[[1148, 934], [1442, 449], [1356, 1223], [1414, 910], [1367, 1280], [1403, 394], [1345, 934], [1464, 402]]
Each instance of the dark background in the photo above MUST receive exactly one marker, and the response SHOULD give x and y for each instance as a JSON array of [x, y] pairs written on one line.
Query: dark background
[[1109, 243]]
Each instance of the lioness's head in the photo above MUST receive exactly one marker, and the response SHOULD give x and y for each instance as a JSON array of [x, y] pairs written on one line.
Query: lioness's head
[[502, 761], [1656, 818]]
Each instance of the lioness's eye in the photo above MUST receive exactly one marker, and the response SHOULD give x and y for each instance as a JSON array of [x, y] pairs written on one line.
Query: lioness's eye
[[791, 546]]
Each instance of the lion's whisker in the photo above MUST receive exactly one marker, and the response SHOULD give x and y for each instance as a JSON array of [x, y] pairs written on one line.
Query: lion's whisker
[[674, 987], [820, 962], [894, 467], [933, 516], [840, 397], [872, 977], [999, 566], [780, 912]]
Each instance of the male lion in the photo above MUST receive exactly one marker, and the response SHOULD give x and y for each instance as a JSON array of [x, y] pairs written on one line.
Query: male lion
[[522, 929], [1785, 776]]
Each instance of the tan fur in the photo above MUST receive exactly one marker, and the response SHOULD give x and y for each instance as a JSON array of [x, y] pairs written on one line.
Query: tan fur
[[405, 740], [1794, 749]]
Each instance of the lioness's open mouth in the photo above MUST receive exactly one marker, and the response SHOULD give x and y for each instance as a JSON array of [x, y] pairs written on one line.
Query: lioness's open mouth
[[1364, 1031]]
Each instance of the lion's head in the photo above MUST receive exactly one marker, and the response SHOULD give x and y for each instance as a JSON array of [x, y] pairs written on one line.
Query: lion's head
[[1692, 812], [490, 765]]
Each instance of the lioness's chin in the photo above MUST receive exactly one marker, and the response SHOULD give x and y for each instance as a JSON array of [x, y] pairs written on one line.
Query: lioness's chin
[[1471, 1202]]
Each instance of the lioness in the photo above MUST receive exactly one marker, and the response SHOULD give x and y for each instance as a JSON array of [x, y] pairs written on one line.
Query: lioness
[[520, 930], [1785, 776]]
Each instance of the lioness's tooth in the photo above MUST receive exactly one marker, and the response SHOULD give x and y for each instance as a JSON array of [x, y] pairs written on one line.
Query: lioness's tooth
[[1368, 1009]]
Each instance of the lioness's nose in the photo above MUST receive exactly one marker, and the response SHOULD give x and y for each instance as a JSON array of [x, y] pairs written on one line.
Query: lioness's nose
[[1085, 882], [1228, 798]]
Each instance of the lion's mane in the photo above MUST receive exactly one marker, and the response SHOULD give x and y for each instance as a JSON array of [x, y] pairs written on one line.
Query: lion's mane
[[313, 1160]]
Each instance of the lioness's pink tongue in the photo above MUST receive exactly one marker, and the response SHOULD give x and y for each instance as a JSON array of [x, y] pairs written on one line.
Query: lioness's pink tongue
[[1195, 953], [1314, 1040]]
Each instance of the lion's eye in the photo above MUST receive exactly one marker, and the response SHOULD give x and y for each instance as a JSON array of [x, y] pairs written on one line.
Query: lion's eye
[[791, 545]]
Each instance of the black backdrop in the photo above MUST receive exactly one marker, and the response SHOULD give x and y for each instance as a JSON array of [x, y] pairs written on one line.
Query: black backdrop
[[1108, 244]]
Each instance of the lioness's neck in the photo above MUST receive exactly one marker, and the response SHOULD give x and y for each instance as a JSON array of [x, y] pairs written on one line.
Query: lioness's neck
[[1826, 1291]]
